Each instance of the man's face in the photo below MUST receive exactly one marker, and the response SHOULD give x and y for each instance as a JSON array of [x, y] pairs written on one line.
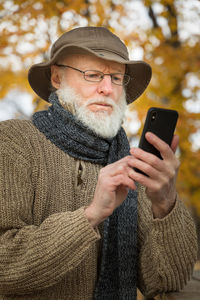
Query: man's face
[[93, 90], [100, 105]]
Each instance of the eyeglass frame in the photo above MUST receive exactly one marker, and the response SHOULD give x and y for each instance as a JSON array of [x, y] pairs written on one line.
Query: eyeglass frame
[[103, 74]]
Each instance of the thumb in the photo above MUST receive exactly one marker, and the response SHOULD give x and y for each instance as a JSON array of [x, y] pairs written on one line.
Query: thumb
[[175, 143]]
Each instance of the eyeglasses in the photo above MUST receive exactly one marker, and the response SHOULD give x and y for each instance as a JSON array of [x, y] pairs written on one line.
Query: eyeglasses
[[97, 76]]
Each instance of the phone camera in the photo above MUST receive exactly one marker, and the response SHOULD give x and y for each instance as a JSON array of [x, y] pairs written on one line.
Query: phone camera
[[153, 116]]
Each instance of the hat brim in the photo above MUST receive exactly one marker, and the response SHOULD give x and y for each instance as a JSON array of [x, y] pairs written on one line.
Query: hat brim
[[39, 75]]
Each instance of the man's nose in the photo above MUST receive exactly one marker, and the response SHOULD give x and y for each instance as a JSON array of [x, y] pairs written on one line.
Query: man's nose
[[105, 86]]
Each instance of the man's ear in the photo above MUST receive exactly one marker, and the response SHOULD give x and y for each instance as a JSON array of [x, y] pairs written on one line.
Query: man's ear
[[55, 77]]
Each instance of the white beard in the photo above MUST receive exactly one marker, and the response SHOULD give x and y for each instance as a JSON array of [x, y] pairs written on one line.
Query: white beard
[[103, 124]]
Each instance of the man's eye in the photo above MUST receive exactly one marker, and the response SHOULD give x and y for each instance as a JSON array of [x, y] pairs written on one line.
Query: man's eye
[[117, 78], [93, 75]]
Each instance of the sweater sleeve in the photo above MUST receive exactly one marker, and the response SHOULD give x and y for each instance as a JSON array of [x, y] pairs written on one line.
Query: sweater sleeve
[[167, 248], [32, 257]]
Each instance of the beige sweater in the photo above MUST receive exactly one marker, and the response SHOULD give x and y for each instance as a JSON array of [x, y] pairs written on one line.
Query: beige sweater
[[48, 250]]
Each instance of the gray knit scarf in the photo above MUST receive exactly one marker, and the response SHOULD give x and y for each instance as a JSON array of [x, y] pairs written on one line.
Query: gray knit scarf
[[118, 270]]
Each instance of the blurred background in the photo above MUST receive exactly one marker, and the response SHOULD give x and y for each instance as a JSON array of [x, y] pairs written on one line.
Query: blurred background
[[164, 33]]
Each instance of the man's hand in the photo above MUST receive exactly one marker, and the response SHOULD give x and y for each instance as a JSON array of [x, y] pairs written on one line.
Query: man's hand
[[113, 184], [116, 179], [161, 181]]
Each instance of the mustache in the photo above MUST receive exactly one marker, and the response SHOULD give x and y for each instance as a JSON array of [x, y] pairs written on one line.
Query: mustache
[[104, 100]]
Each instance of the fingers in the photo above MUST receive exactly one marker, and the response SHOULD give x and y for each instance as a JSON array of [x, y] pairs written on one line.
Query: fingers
[[157, 169], [112, 187], [161, 180], [123, 180], [175, 143], [146, 162], [118, 173], [169, 159], [164, 149], [153, 166]]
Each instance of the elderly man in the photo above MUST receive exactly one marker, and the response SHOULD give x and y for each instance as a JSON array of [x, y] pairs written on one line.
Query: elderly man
[[77, 222]]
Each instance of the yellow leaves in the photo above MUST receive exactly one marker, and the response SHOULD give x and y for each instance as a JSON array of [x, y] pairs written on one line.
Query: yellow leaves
[[171, 66], [147, 3], [100, 10], [10, 80], [39, 104], [188, 179], [167, 2], [158, 33]]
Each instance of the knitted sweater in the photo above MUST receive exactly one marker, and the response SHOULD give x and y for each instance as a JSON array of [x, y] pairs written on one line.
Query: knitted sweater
[[48, 249]]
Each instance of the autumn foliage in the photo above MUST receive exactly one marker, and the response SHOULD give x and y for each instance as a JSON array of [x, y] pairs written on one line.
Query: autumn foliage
[[29, 27]]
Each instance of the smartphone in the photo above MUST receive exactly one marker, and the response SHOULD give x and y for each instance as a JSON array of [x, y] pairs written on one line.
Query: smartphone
[[161, 122]]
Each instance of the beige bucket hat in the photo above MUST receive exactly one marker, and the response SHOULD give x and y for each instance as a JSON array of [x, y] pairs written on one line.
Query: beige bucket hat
[[97, 41]]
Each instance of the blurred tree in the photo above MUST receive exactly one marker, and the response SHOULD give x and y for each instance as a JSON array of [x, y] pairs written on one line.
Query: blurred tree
[[29, 27], [175, 62]]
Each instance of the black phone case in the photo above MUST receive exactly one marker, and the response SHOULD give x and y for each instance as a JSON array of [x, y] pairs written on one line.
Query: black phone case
[[162, 122]]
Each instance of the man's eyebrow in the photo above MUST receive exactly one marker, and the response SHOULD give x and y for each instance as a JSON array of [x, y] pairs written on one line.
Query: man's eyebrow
[[95, 68], [116, 70], [119, 70]]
